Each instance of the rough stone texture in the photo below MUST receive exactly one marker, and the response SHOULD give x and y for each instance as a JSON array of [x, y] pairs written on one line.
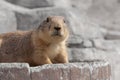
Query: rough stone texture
[[32, 3], [32, 19], [99, 53], [112, 35], [40, 3], [92, 70], [7, 20], [106, 13], [72, 71], [14, 71]]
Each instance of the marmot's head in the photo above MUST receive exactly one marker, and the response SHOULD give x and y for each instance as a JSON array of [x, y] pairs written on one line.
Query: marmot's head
[[53, 29]]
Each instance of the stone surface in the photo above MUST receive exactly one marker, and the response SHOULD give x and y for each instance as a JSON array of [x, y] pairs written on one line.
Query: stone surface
[[112, 35], [41, 3], [107, 45], [32, 19], [102, 72], [7, 21], [61, 3], [111, 49], [32, 3], [105, 13], [92, 70], [107, 53], [14, 71], [73, 71]]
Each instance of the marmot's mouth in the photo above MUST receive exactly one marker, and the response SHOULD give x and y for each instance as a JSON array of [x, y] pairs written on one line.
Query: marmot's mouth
[[56, 33]]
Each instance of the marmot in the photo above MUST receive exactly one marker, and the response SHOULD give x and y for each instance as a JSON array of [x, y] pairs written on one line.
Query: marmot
[[43, 45]]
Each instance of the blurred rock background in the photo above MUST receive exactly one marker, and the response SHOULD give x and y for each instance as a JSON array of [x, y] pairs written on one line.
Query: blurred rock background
[[94, 25]]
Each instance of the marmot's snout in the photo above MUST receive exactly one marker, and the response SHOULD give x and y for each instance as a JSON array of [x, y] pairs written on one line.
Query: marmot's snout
[[57, 28], [57, 31]]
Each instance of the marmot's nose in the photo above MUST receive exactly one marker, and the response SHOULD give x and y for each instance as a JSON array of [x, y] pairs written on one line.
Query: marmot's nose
[[57, 28]]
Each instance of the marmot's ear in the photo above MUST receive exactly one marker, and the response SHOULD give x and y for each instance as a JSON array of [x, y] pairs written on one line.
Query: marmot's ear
[[48, 19], [39, 27], [64, 21]]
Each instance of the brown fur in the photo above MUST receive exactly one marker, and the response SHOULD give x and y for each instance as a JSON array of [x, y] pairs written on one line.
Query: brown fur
[[44, 45]]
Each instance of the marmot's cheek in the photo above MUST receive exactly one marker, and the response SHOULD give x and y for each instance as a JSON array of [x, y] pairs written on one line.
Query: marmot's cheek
[[50, 33], [62, 33], [0, 42]]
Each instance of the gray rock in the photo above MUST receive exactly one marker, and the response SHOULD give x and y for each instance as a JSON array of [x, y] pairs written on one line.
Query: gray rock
[[91, 54], [111, 49], [14, 71], [106, 13], [72, 71], [87, 44], [91, 70], [12, 7], [81, 4], [32, 19], [107, 45], [84, 54], [32, 3], [7, 21], [82, 26], [62, 3], [41, 3], [112, 35]]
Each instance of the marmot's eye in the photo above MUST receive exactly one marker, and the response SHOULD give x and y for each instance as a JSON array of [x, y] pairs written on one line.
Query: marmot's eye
[[64, 21], [47, 20]]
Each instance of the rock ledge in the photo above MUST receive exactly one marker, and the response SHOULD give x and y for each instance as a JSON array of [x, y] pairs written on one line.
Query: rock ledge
[[92, 70]]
